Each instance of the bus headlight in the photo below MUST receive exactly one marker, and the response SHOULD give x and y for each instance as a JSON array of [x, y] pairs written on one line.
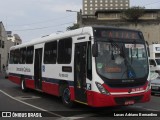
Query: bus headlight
[[102, 89], [148, 86]]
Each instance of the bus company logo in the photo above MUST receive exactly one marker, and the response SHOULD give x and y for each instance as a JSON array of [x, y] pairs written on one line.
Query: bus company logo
[[24, 69], [6, 114]]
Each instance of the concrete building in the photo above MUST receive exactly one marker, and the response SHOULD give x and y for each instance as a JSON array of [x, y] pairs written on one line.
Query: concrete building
[[14, 38], [149, 23], [91, 6], [5, 43]]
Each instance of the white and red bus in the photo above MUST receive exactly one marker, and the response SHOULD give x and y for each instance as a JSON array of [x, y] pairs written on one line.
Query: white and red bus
[[96, 66]]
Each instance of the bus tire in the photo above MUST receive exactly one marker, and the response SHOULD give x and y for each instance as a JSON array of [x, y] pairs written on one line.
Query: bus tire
[[23, 86], [66, 97]]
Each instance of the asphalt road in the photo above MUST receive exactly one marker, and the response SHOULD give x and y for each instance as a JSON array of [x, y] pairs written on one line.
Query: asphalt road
[[13, 99]]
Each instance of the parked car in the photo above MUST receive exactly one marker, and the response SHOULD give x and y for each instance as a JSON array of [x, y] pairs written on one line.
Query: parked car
[[155, 86]]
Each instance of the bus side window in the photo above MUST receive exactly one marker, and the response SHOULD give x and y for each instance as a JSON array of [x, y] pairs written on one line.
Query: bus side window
[[16, 57], [152, 62], [89, 62], [29, 55], [50, 52], [65, 51], [11, 59], [22, 56]]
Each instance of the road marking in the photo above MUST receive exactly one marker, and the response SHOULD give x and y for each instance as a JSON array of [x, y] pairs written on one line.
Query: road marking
[[146, 108], [26, 97], [41, 109]]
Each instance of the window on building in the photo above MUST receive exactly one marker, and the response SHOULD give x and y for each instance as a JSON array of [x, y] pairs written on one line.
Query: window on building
[[64, 51], [29, 55], [22, 56], [50, 53], [2, 44]]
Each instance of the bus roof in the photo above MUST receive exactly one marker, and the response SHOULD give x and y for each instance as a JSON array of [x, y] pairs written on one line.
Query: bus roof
[[54, 36]]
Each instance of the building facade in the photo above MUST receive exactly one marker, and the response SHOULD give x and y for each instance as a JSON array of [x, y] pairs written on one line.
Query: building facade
[[14, 38], [5, 43], [149, 23], [91, 6]]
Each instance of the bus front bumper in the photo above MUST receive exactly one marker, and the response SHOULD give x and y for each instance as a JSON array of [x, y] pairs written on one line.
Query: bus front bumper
[[100, 100]]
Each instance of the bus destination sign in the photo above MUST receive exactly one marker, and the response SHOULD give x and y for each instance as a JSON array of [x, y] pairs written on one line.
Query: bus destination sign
[[118, 34]]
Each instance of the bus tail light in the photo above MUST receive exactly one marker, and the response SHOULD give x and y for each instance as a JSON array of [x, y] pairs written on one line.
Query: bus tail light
[[102, 89]]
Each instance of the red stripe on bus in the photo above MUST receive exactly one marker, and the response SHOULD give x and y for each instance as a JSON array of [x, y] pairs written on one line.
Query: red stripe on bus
[[72, 93], [15, 79], [50, 88], [100, 100], [29, 83], [125, 89]]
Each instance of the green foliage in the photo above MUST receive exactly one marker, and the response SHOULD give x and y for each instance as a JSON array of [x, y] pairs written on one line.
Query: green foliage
[[75, 26], [134, 13]]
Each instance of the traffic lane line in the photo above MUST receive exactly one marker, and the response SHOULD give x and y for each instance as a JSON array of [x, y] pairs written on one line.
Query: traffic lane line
[[38, 108], [145, 108]]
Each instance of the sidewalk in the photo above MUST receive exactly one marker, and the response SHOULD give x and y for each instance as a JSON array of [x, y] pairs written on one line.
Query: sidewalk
[[2, 74]]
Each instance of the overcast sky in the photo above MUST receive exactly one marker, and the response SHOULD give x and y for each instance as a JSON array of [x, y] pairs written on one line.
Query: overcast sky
[[35, 18]]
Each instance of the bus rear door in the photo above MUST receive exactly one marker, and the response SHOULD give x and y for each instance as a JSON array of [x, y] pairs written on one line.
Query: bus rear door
[[38, 69]]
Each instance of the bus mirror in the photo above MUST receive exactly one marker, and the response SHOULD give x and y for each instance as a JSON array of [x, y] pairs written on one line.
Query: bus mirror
[[95, 50]]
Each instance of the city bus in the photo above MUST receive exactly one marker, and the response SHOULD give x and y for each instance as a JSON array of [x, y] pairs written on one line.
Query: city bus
[[97, 66]]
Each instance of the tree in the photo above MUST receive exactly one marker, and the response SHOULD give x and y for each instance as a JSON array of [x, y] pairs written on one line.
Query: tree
[[75, 26], [134, 13]]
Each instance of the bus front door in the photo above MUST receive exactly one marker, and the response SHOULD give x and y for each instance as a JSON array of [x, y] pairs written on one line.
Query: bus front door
[[38, 69], [80, 72]]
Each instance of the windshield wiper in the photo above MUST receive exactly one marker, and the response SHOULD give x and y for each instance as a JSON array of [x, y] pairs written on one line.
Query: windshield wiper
[[130, 71]]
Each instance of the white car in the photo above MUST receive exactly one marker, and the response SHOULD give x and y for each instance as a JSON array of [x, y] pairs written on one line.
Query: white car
[[155, 86]]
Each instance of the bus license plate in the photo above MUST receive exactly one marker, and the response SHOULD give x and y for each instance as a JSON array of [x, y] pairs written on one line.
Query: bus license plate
[[155, 87], [130, 102]]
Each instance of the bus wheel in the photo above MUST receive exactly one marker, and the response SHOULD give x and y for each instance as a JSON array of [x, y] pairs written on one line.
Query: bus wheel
[[66, 97], [23, 86]]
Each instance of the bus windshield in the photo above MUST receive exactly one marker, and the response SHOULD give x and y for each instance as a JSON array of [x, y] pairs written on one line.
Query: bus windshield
[[119, 60]]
